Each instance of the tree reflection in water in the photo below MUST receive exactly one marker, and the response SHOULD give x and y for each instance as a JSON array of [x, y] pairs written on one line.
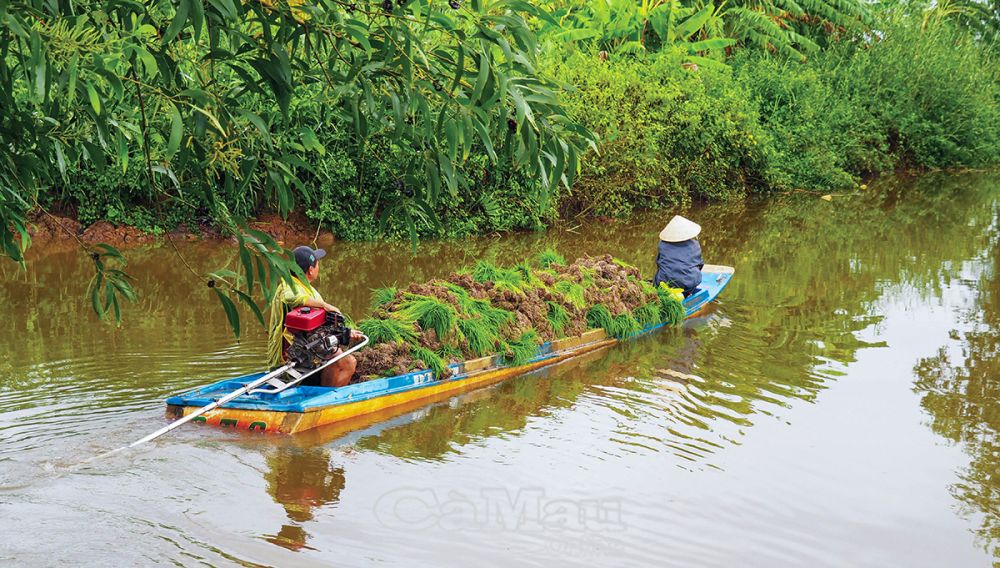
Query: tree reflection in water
[[962, 395]]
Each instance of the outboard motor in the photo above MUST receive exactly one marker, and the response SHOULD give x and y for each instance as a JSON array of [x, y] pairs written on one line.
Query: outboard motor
[[317, 334]]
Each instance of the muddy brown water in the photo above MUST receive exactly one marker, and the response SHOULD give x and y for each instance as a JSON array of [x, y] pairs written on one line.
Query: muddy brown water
[[838, 406]]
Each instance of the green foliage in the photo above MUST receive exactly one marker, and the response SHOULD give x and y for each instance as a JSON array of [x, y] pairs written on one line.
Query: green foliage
[[523, 349], [485, 271], [222, 106], [600, 317], [495, 317], [941, 112], [516, 279], [572, 292], [388, 330], [480, 334], [626, 26], [672, 310], [856, 110], [383, 296], [430, 313], [669, 134], [818, 137], [549, 257], [625, 325], [430, 360], [647, 315], [558, 318], [111, 283]]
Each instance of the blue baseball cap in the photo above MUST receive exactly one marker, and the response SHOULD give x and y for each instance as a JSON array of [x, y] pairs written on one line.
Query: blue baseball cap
[[306, 257]]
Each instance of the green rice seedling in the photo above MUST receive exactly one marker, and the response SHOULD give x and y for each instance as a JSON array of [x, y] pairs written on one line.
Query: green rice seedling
[[450, 352], [484, 271], [394, 330], [548, 257], [672, 310], [465, 301], [647, 287], [430, 313], [622, 263], [431, 360], [455, 289], [494, 316], [527, 276], [480, 335], [598, 316], [383, 296], [572, 292], [647, 315], [625, 325], [512, 279], [558, 318], [523, 349]]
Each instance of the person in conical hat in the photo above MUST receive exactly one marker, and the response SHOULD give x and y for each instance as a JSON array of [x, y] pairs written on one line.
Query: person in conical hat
[[678, 257]]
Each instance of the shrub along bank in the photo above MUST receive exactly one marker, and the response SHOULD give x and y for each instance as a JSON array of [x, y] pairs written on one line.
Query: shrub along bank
[[912, 95]]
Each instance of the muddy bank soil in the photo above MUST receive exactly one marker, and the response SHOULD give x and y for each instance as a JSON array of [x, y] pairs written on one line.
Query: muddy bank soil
[[53, 230]]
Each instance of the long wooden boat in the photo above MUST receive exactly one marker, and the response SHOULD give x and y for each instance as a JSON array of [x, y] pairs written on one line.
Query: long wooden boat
[[305, 407]]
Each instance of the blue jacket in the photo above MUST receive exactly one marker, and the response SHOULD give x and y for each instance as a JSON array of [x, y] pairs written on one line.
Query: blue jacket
[[679, 265]]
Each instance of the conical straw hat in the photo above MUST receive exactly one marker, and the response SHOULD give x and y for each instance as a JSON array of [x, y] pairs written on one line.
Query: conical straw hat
[[679, 229]]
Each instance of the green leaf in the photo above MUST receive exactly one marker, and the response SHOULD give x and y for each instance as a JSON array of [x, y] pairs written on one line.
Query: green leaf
[[110, 251], [231, 313], [73, 72], [710, 44], [176, 131], [484, 137], [95, 100], [95, 293], [310, 141], [451, 132], [122, 151], [482, 77], [258, 122], [247, 266], [252, 305], [177, 24], [694, 23], [197, 17]]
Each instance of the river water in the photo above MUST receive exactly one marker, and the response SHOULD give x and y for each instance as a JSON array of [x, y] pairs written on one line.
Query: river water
[[838, 406]]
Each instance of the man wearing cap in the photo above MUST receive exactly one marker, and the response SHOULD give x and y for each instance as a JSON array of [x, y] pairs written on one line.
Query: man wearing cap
[[290, 296], [678, 259]]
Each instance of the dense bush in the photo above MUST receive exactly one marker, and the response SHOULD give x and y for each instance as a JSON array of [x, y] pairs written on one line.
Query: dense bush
[[915, 93], [916, 97], [817, 137], [353, 191], [932, 89], [668, 132]]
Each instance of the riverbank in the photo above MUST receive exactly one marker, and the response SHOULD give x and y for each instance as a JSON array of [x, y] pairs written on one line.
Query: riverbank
[[53, 231]]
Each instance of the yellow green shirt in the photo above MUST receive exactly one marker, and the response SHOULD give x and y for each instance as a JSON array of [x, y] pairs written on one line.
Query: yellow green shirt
[[286, 298]]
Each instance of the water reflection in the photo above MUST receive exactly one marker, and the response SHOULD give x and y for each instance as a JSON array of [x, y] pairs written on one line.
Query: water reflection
[[301, 480], [960, 389]]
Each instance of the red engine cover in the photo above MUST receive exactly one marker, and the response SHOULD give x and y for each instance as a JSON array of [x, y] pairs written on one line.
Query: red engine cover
[[305, 319]]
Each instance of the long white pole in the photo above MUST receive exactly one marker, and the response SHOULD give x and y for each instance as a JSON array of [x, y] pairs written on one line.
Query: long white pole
[[238, 392]]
